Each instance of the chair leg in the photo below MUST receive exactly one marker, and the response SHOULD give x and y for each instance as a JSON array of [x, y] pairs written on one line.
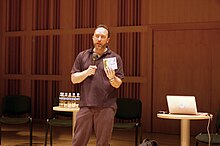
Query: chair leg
[[31, 129], [46, 133], [136, 135], [0, 134], [140, 134], [51, 135]]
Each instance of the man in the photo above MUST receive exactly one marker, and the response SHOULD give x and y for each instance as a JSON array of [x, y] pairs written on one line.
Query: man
[[100, 72]]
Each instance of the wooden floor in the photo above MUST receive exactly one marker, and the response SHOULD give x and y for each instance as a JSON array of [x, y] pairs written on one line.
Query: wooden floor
[[18, 136]]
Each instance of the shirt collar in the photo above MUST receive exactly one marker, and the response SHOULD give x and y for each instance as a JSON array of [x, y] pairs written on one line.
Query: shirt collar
[[107, 52]]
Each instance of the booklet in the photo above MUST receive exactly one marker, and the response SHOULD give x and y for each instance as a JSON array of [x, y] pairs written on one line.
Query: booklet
[[110, 62]]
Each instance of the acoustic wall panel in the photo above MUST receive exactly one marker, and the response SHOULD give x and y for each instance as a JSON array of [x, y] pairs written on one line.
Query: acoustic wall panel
[[12, 86], [128, 46], [46, 14], [129, 13], [13, 54], [85, 13], [14, 15]]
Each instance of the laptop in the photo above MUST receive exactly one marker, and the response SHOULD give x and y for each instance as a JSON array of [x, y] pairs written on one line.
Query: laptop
[[181, 104]]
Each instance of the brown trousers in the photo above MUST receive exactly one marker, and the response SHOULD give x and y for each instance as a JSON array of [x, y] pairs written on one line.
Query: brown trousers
[[99, 119]]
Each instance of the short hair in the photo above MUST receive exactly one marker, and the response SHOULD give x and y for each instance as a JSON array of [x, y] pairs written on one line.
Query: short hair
[[104, 26]]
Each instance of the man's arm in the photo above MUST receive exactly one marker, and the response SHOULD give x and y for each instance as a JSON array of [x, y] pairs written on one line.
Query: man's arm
[[115, 82], [78, 77], [113, 79]]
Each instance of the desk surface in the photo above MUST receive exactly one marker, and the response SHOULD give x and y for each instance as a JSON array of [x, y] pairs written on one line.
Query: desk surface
[[65, 109], [189, 117]]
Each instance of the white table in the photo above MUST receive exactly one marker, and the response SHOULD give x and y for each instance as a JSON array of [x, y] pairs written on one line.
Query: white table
[[67, 109], [185, 124]]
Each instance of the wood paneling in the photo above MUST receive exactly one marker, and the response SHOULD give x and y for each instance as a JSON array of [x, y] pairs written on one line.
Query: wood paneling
[[183, 11], [85, 13], [128, 10], [215, 78], [183, 65], [13, 55], [14, 15]]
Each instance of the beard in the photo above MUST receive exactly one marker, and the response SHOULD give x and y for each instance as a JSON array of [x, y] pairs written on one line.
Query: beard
[[99, 46]]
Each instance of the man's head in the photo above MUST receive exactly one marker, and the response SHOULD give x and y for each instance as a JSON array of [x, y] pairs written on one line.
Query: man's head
[[104, 26], [101, 36]]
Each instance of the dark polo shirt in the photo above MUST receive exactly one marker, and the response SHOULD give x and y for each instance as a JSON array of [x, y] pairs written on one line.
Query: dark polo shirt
[[96, 90]]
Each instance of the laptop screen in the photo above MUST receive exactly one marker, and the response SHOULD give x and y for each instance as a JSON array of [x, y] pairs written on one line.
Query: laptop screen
[[181, 104]]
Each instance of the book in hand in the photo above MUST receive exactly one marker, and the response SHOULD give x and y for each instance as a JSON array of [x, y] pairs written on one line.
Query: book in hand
[[110, 62]]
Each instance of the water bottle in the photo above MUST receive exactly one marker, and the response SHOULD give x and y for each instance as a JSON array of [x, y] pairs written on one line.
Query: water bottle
[[77, 99], [65, 99], [74, 100], [69, 100], [61, 99]]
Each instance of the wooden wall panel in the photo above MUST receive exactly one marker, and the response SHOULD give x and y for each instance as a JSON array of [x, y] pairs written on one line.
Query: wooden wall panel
[[128, 46], [12, 86], [130, 90], [183, 11], [85, 13], [183, 65], [55, 57], [14, 15], [215, 48], [13, 55], [128, 12]]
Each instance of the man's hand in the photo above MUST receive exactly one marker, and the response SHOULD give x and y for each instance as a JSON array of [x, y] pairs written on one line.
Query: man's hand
[[78, 77], [113, 79], [91, 70], [110, 73]]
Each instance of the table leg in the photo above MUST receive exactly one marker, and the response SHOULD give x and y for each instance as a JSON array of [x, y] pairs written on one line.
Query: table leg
[[185, 132]]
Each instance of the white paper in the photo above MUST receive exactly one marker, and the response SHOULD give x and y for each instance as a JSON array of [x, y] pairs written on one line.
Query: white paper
[[110, 62]]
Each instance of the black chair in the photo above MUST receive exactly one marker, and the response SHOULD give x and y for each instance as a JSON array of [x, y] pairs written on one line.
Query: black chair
[[128, 116], [213, 138], [16, 110], [58, 119]]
